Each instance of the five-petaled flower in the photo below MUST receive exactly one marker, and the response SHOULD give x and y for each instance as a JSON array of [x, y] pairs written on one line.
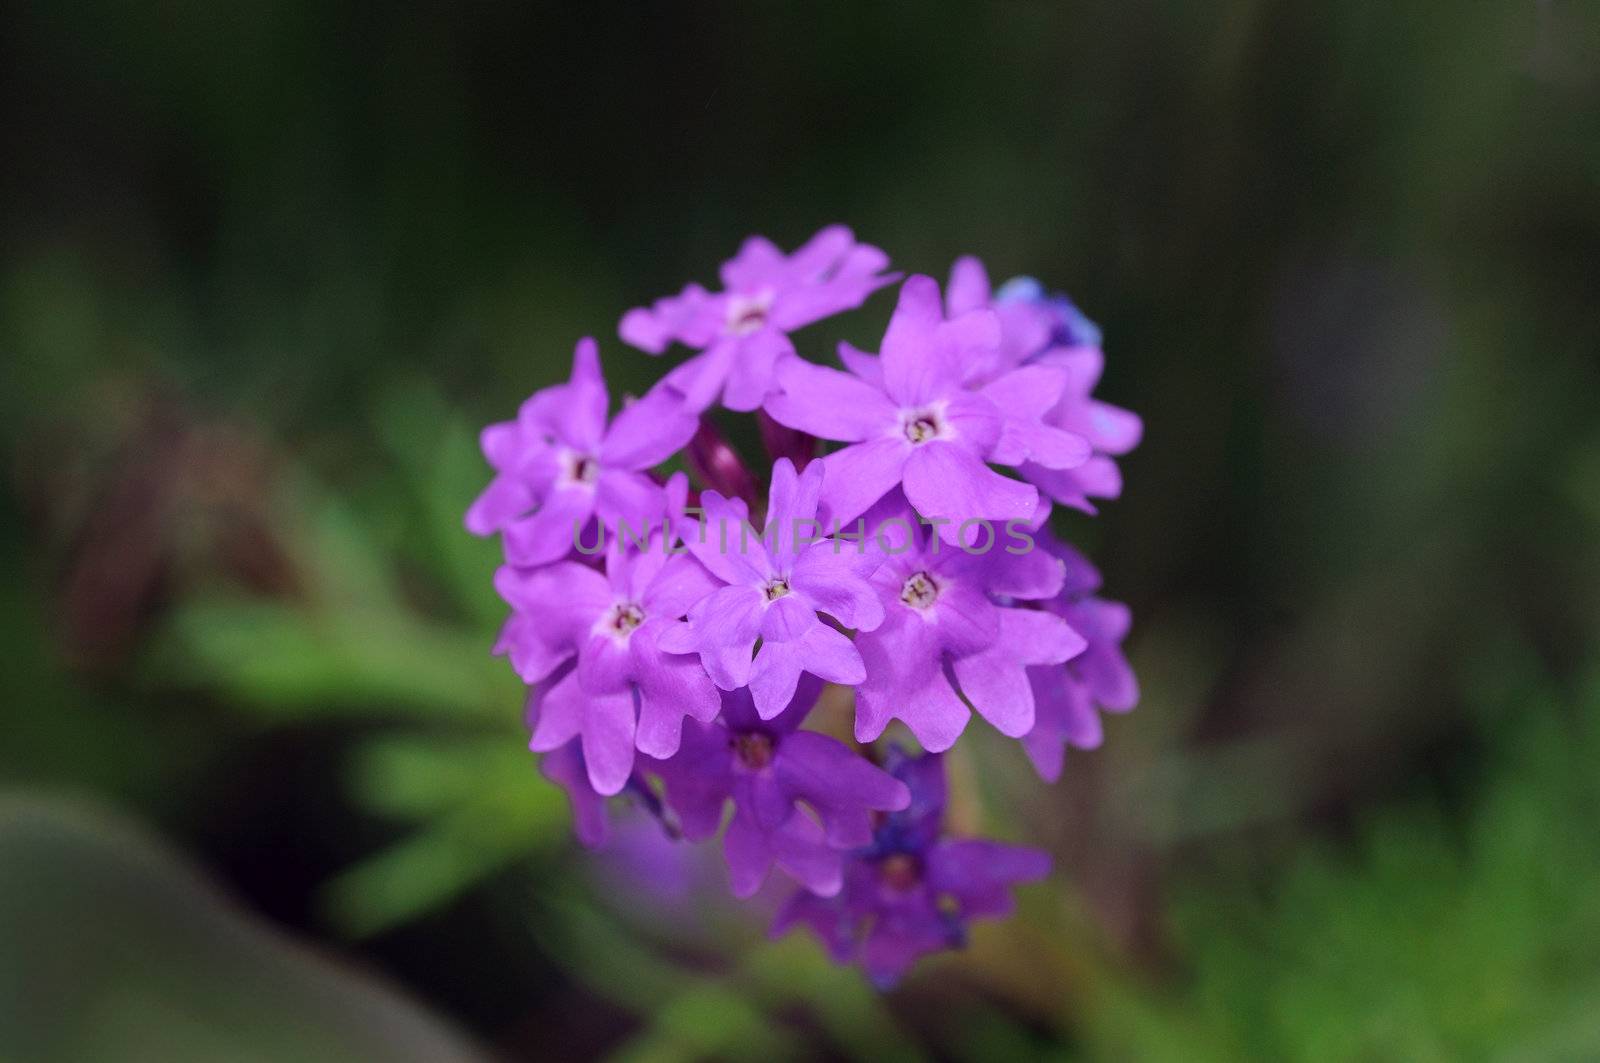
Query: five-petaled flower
[[627, 689], [743, 331], [778, 585], [911, 419], [559, 464], [769, 769], [950, 637], [912, 891]]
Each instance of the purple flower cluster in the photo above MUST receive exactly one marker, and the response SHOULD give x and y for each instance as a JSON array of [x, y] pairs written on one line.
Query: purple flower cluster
[[685, 641]]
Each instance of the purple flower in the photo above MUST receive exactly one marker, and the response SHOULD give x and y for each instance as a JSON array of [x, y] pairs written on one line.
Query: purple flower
[[910, 893], [626, 688], [565, 767], [1025, 326], [1066, 697], [1031, 319], [1069, 326], [768, 769], [743, 330], [559, 464], [776, 585], [1110, 430], [1038, 328], [912, 421], [945, 642]]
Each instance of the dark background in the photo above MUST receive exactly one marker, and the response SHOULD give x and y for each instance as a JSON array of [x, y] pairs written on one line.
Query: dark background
[[265, 269]]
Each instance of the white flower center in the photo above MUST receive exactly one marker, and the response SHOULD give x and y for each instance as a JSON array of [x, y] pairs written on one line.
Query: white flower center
[[775, 589], [920, 591], [921, 426], [580, 468], [621, 619], [747, 313]]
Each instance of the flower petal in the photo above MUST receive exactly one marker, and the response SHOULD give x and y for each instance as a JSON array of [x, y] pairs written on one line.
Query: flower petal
[[774, 675], [565, 768], [700, 379], [802, 852], [792, 510], [503, 501], [913, 370], [670, 687], [680, 585], [608, 726], [859, 475], [968, 288], [947, 481], [648, 431], [728, 617], [726, 544], [550, 533], [580, 418], [752, 370], [828, 403], [831, 574], [560, 714], [995, 680], [787, 619], [831, 656], [749, 856]]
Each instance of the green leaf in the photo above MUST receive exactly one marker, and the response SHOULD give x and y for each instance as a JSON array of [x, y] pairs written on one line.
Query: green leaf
[[298, 662], [116, 949]]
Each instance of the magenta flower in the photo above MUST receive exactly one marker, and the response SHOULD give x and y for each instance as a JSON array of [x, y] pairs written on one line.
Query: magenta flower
[[1066, 698], [626, 689], [565, 767], [912, 421], [743, 330], [1048, 330], [1110, 430], [1025, 326], [769, 769], [944, 638], [911, 893], [559, 463], [777, 586]]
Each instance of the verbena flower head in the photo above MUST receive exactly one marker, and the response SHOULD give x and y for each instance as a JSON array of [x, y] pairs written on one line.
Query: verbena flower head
[[744, 329], [912, 891], [679, 634], [560, 463]]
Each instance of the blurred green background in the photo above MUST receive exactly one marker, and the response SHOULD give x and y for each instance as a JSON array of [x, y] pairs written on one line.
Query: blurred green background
[[265, 268]]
